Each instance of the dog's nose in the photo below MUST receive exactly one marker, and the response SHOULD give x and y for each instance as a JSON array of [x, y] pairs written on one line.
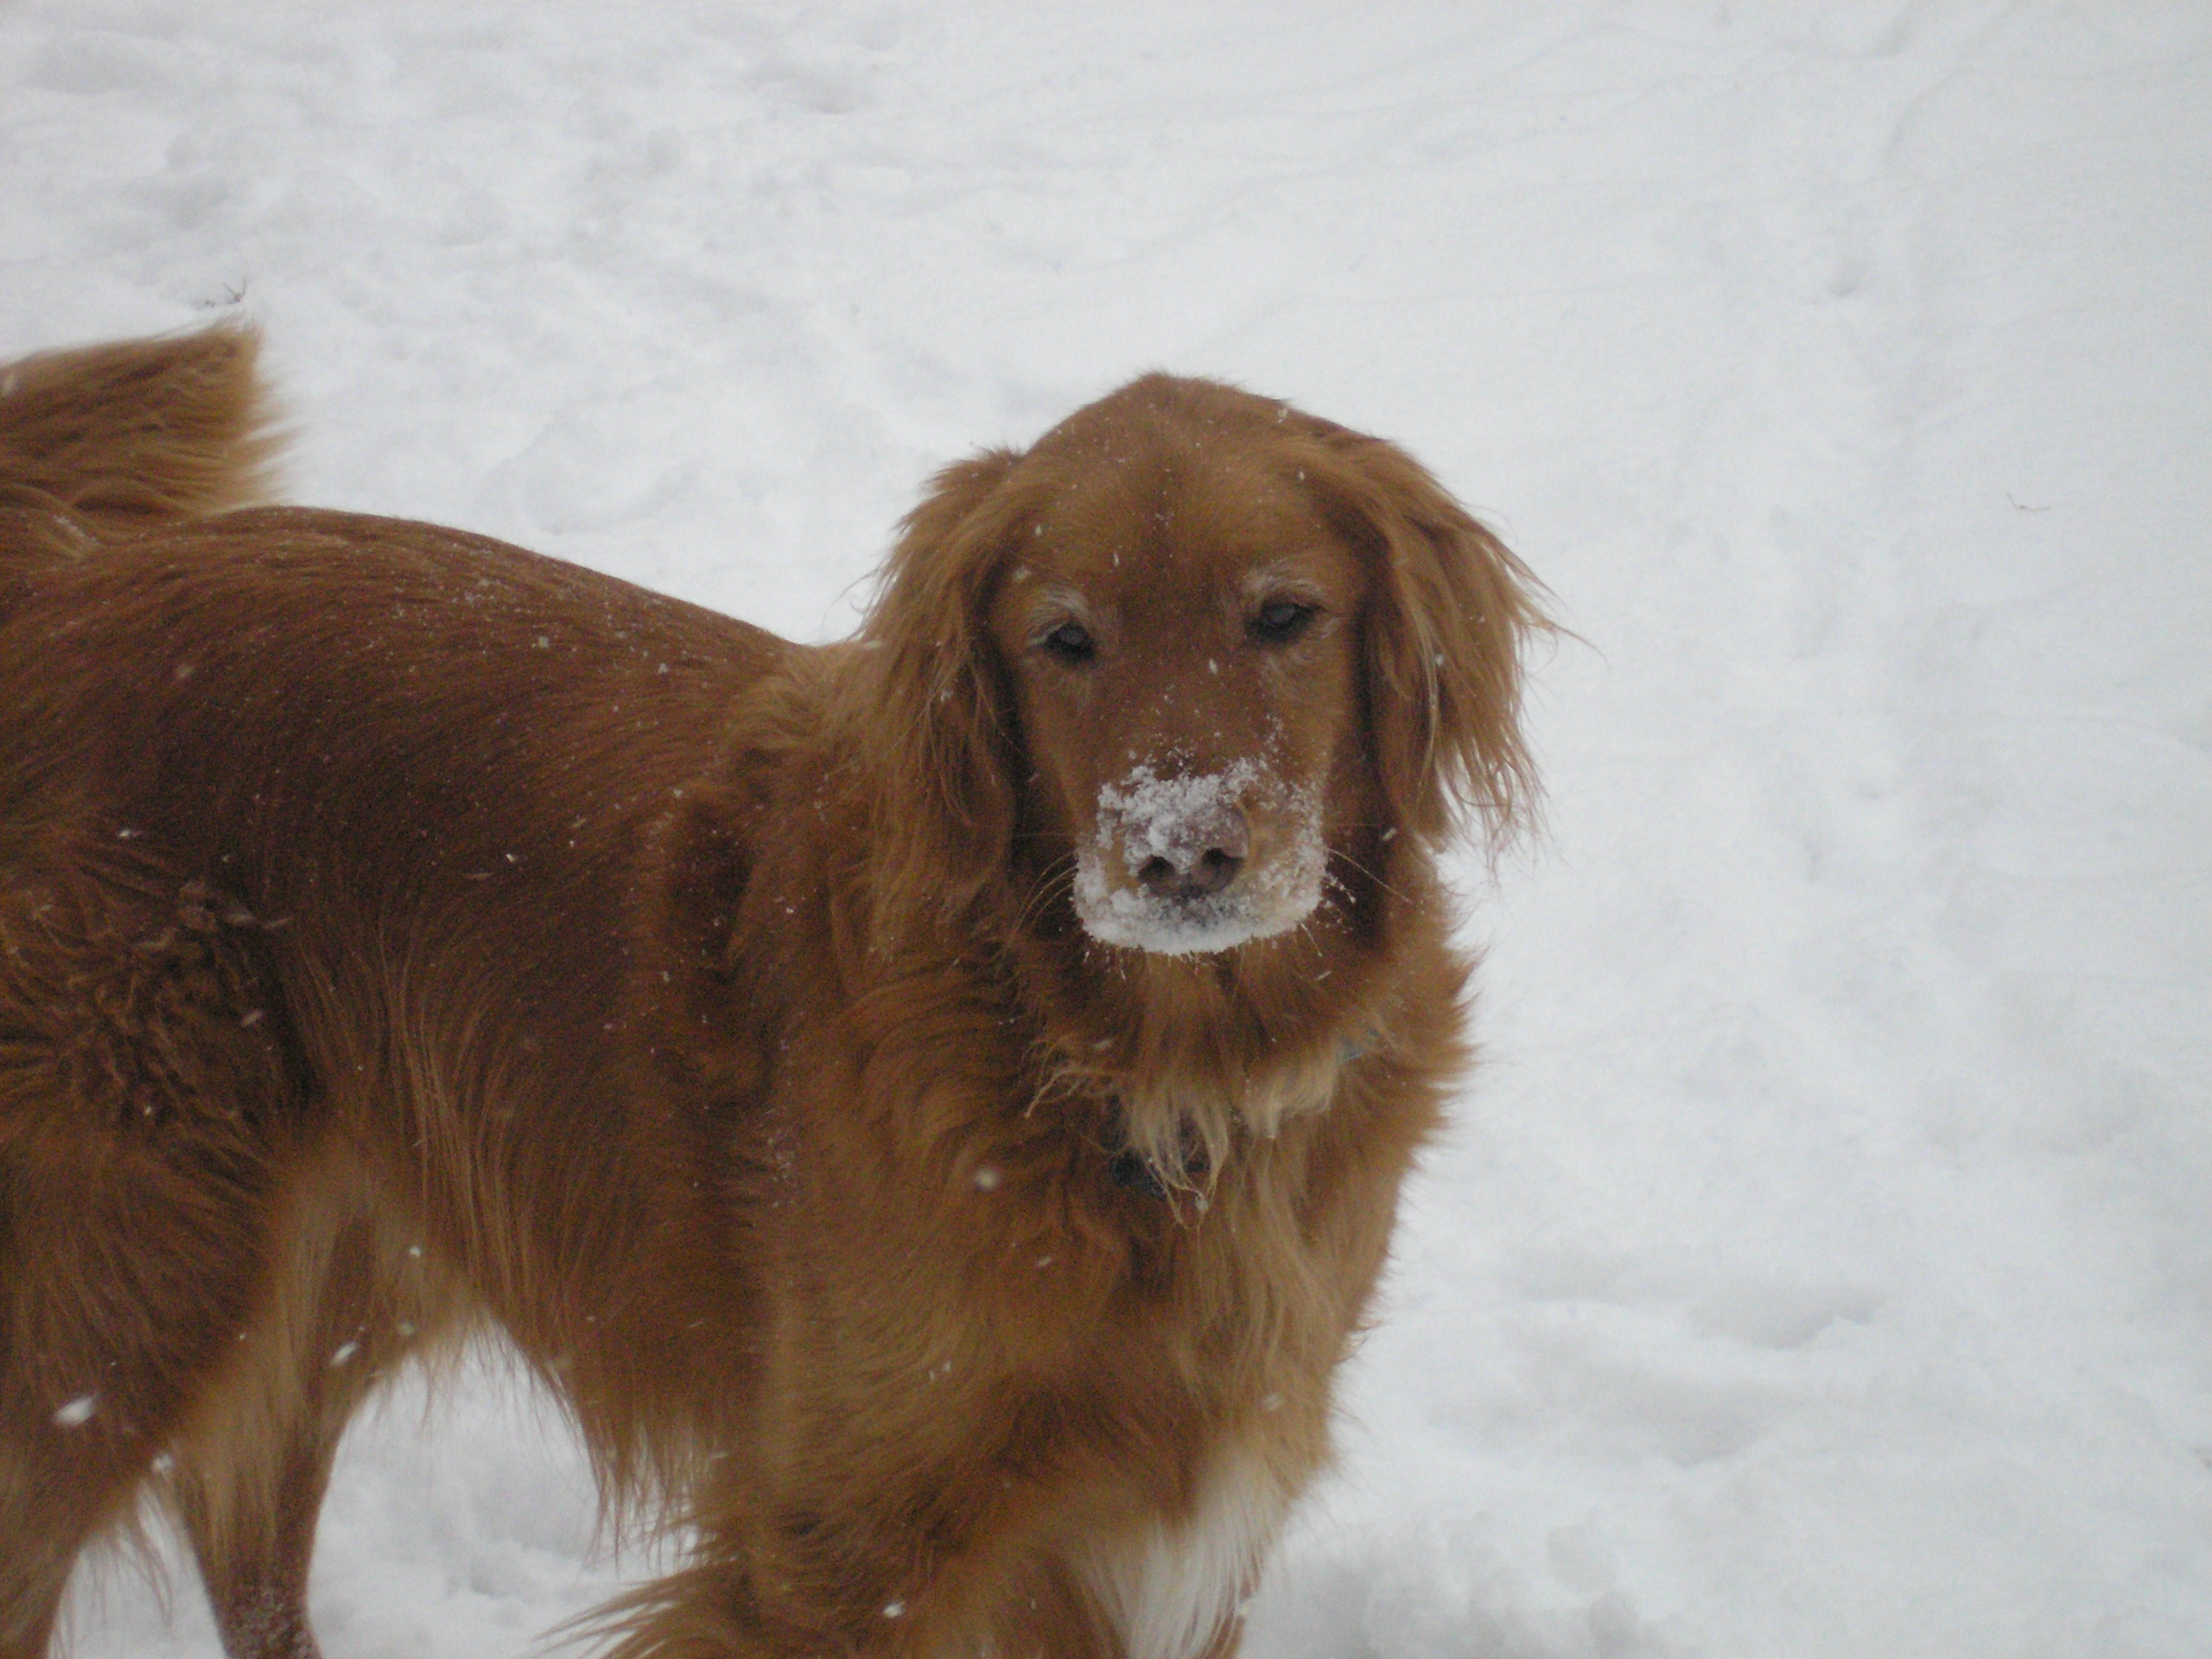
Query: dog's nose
[[1215, 869], [1202, 861]]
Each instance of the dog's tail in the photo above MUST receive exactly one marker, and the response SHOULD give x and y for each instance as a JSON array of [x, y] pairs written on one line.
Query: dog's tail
[[107, 442]]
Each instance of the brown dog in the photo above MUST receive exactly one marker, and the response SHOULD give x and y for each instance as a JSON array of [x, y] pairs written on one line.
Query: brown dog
[[932, 1106]]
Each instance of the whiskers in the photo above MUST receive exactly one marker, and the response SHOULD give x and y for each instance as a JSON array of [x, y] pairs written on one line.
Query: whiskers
[[1331, 878], [1055, 884]]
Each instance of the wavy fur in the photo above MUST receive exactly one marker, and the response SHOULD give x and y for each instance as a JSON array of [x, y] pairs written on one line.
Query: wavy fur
[[402, 934]]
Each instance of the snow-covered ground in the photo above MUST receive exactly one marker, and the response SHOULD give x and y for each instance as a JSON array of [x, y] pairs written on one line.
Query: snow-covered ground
[[1822, 1262]]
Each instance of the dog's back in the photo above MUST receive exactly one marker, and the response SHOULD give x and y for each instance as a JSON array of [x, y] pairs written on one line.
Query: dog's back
[[294, 807]]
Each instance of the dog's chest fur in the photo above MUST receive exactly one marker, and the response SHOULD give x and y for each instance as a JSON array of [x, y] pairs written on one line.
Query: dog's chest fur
[[1170, 1586]]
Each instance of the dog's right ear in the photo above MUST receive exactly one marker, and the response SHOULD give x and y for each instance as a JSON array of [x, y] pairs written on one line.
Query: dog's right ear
[[936, 725], [1448, 624]]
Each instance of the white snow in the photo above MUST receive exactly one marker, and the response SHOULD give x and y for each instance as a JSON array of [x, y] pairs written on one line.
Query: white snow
[[1821, 1264]]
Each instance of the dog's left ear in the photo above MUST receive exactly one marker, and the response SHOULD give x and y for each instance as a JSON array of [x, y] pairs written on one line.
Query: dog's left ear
[[1449, 618], [935, 725]]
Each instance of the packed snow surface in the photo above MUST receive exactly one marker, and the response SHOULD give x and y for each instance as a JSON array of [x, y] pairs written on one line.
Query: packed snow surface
[[1821, 1261]]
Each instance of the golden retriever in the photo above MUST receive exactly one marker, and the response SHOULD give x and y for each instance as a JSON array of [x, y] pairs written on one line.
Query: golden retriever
[[932, 1106]]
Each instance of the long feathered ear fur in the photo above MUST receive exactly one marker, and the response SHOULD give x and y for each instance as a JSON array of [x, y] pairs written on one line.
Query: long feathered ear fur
[[1448, 625], [936, 731]]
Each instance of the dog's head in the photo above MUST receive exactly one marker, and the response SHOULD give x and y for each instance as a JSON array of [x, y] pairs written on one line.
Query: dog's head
[[1180, 654]]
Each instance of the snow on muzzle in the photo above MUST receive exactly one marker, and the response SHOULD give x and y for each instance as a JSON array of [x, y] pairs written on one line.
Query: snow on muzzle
[[1196, 862]]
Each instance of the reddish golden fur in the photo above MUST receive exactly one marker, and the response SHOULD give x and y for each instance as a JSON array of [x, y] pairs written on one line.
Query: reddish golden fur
[[400, 931]]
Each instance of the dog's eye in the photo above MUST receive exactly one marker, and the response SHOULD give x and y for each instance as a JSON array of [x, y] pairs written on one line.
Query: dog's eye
[[1279, 621], [1070, 642]]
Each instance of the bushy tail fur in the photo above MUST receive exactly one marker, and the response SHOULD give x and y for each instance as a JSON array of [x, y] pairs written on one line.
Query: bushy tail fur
[[106, 442]]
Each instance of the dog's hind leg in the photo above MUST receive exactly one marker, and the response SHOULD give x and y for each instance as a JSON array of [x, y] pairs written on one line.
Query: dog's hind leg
[[345, 1302], [149, 1097], [123, 1279]]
